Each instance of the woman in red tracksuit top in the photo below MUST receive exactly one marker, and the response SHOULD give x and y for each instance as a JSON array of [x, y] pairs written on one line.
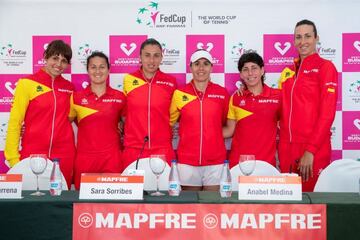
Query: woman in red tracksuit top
[[147, 119], [309, 94], [41, 104], [253, 114], [201, 107], [98, 110]]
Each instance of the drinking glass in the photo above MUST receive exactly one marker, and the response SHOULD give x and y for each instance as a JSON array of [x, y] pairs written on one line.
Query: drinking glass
[[38, 164], [247, 164], [157, 165]]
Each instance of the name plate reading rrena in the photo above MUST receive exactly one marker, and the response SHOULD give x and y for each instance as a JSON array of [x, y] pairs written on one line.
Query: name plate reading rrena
[[10, 186], [111, 186], [270, 188]]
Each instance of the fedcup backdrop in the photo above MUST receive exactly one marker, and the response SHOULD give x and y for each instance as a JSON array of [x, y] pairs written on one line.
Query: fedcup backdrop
[[225, 28]]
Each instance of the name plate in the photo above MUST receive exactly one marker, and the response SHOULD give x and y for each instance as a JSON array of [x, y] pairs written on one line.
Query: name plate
[[10, 186], [111, 186], [270, 188]]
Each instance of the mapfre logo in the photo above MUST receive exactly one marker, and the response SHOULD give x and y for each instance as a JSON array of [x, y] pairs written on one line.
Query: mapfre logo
[[85, 220]]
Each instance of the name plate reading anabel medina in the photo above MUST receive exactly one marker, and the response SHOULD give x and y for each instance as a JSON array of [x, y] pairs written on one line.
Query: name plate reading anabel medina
[[10, 186], [270, 188], [111, 186]]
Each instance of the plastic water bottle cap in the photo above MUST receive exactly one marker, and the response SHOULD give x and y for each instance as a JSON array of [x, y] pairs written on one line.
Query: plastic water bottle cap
[[56, 160], [226, 161], [173, 161]]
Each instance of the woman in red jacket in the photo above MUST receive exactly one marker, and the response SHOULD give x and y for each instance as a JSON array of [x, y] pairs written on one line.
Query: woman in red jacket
[[41, 105], [201, 107], [309, 94], [98, 110]]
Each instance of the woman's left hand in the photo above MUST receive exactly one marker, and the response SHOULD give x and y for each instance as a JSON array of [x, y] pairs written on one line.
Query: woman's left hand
[[306, 166]]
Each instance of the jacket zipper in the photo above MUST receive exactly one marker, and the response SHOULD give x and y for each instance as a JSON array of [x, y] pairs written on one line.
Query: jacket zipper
[[149, 118], [53, 120], [291, 101]]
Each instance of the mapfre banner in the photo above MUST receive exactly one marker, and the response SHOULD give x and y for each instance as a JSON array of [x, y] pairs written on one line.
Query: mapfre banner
[[97, 221]]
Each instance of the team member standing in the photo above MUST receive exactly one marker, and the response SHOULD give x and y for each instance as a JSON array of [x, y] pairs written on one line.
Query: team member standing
[[201, 107], [147, 118], [41, 104], [98, 110], [254, 114], [309, 93]]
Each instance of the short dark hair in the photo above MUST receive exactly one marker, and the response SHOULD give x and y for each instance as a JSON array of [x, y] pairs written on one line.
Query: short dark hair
[[150, 41], [251, 56], [58, 47], [97, 54], [307, 22]]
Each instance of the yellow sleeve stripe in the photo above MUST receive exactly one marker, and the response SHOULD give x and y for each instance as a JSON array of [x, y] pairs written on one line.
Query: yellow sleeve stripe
[[231, 111], [237, 113], [37, 89], [17, 115], [83, 112], [285, 75], [131, 83], [179, 100], [182, 98], [72, 113]]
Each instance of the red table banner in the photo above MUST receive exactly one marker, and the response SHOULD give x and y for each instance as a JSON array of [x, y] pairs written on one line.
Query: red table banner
[[97, 221]]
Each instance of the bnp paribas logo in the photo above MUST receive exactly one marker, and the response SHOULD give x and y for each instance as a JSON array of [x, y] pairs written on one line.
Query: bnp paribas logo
[[8, 50], [84, 50], [149, 15]]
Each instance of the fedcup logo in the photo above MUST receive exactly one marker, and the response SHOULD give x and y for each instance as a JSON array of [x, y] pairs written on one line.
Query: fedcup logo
[[40, 44], [85, 220], [125, 52], [354, 88], [84, 50], [12, 57], [171, 58], [214, 44], [9, 51], [80, 81], [326, 52], [351, 52], [237, 50], [149, 15], [279, 51], [351, 130]]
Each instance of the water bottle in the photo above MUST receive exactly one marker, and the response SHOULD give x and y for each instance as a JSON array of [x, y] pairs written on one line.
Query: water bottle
[[56, 179], [174, 180], [225, 181]]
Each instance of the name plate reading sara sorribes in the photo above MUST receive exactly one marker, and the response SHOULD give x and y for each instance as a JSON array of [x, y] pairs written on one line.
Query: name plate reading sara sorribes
[[111, 186], [270, 188], [10, 186]]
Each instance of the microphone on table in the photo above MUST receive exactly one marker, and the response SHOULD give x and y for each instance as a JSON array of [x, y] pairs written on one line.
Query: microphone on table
[[146, 139]]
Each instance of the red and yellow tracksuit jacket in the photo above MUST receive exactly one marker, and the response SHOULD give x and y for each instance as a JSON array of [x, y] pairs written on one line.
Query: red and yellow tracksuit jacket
[[309, 95], [98, 136], [42, 104], [256, 124], [201, 117], [147, 113]]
